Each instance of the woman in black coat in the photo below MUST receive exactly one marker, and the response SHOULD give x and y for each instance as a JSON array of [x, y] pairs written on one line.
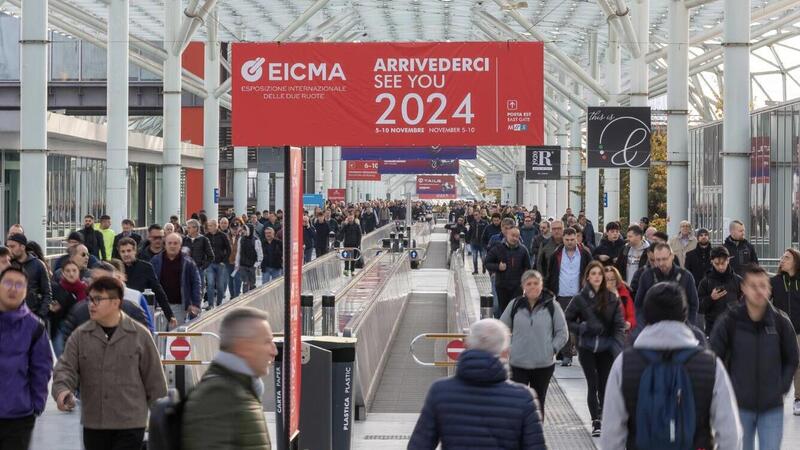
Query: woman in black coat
[[595, 316], [786, 297], [720, 290]]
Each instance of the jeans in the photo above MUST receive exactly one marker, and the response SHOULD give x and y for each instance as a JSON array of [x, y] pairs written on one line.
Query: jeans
[[270, 274], [478, 252], [234, 281], [16, 433], [538, 379], [248, 277], [596, 367], [768, 424], [308, 254], [216, 282], [59, 343], [113, 439]]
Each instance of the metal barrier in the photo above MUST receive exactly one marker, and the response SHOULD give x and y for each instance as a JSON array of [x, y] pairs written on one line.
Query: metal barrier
[[179, 365], [437, 337], [463, 298], [56, 247]]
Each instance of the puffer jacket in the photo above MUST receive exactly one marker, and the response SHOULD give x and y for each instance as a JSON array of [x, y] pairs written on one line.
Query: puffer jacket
[[589, 323], [610, 249], [742, 253], [479, 408], [40, 293], [761, 357], [713, 309], [786, 297], [200, 250], [224, 413], [517, 262]]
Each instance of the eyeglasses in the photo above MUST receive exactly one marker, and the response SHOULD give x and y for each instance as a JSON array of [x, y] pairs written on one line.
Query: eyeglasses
[[157, 238], [96, 300], [19, 285]]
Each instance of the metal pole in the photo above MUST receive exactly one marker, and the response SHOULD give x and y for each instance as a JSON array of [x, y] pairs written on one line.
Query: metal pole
[[211, 120], [562, 200], [33, 119], [611, 176], [336, 155], [677, 117], [541, 199], [593, 175], [279, 190], [639, 185], [301, 20], [736, 122], [117, 107], [171, 185], [240, 180], [318, 177], [552, 185], [575, 177], [327, 170]]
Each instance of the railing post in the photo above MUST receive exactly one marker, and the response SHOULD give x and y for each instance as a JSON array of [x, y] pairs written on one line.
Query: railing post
[[307, 308], [329, 315], [487, 307]]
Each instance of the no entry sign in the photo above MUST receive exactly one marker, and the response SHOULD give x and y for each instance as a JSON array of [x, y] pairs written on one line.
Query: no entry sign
[[388, 94], [454, 349], [180, 349]]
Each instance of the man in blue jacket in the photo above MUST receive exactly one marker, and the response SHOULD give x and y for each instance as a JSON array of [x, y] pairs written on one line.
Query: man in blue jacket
[[479, 408], [26, 362]]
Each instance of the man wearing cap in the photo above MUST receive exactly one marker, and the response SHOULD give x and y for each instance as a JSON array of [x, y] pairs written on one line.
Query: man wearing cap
[[644, 222], [683, 243], [698, 261], [39, 294]]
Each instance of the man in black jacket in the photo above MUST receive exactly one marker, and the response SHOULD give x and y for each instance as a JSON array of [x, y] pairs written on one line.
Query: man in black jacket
[[198, 246], [140, 276], [634, 254], [455, 233], [610, 245], [154, 243], [474, 234], [758, 344], [39, 294], [508, 260], [272, 263], [309, 234], [369, 220], [350, 236], [217, 271], [127, 231], [490, 230], [93, 239], [719, 291], [322, 231], [742, 252], [698, 261]]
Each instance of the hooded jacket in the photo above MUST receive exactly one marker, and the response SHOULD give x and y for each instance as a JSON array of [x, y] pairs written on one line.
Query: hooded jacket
[[742, 253], [668, 335], [26, 363], [653, 275], [536, 337], [698, 262], [517, 262], [610, 249], [713, 309], [478, 408], [786, 297], [761, 357], [39, 289], [589, 323]]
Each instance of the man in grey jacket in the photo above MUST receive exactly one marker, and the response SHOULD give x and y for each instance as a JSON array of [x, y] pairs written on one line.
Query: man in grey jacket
[[665, 311]]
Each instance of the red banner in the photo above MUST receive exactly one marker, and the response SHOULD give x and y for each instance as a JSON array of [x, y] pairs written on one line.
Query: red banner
[[336, 195], [295, 274], [363, 171], [388, 94], [436, 187]]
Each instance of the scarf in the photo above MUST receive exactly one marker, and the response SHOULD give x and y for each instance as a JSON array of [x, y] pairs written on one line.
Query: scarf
[[238, 365], [78, 288]]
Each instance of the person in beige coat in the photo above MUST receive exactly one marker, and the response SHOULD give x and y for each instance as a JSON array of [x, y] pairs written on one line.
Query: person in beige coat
[[114, 362], [683, 243]]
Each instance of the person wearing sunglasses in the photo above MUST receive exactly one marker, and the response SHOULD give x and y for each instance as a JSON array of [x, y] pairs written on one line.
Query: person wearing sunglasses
[[26, 362], [155, 243], [114, 361], [79, 255]]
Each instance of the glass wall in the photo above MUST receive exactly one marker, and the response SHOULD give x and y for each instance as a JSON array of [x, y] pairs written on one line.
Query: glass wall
[[774, 179]]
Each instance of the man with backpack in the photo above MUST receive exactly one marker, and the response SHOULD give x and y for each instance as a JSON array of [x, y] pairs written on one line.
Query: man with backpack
[[642, 409], [758, 344]]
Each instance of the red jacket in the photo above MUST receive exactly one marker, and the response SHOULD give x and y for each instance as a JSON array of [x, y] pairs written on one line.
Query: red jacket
[[626, 301]]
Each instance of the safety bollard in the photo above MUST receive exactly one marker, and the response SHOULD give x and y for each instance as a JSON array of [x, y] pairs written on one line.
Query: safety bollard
[[487, 307], [329, 315], [307, 307]]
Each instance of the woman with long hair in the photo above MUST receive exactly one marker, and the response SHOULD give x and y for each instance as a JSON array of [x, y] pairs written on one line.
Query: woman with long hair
[[786, 297], [617, 285], [595, 316]]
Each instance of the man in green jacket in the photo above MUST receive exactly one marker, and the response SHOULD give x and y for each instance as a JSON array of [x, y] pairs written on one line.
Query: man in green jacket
[[224, 411]]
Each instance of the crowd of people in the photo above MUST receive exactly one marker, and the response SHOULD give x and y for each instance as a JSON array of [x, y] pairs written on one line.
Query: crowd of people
[[657, 322], [94, 306]]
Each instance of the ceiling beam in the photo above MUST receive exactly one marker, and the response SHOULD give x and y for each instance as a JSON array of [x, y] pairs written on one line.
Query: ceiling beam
[[301, 20]]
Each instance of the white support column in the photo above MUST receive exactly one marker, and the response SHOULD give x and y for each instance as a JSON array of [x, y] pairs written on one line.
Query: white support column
[[562, 199], [550, 204], [240, 180], [171, 186], [335, 166], [593, 175], [327, 170], [677, 117], [611, 176], [575, 176], [117, 107], [33, 119], [262, 187], [736, 122], [541, 198], [211, 120], [640, 80], [279, 191], [318, 179]]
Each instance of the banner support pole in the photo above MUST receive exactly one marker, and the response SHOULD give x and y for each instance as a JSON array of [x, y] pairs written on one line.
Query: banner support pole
[[290, 441]]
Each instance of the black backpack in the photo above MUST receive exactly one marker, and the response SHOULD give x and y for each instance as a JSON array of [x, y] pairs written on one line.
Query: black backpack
[[166, 417], [550, 308]]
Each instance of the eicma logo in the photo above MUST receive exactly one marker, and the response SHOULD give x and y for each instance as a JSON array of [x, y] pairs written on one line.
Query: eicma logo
[[252, 70]]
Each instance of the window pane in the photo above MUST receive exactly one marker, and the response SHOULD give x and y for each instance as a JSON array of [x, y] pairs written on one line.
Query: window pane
[[9, 47], [65, 58], [93, 63]]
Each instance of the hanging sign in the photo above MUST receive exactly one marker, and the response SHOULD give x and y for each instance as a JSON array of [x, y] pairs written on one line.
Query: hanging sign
[[619, 137], [336, 195], [407, 153], [436, 187], [543, 163], [418, 166], [388, 93], [363, 171]]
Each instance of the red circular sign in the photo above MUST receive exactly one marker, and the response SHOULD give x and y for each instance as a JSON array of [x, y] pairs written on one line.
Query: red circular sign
[[180, 348], [454, 349]]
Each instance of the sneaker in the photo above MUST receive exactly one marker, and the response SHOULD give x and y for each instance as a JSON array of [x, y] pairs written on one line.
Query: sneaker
[[797, 407], [474, 272], [347, 273], [566, 361], [595, 428]]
